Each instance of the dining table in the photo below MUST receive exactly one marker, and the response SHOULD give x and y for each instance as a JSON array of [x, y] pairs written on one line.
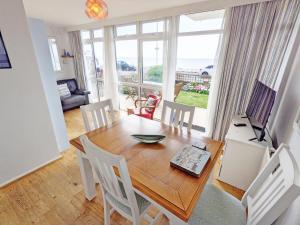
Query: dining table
[[171, 190]]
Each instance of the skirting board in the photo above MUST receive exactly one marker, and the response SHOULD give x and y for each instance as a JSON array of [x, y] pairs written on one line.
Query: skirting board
[[30, 171]]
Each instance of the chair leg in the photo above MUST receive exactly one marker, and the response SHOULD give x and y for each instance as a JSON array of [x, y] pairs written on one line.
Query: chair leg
[[106, 213], [135, 221]]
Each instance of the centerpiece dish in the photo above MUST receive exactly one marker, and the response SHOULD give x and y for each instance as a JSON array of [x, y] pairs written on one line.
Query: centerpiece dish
[[148, 138]]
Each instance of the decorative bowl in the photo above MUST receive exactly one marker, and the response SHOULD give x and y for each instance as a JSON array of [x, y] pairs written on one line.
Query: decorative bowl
[[148, 138]]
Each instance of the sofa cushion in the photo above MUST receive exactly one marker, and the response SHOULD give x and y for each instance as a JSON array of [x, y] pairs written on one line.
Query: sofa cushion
[[72, 84], [74, 100], [63, 91]]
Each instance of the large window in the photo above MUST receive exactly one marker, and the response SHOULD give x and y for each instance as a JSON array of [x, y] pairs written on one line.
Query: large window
[[92, 41], [54, 54], [139, 52], [198, 41]]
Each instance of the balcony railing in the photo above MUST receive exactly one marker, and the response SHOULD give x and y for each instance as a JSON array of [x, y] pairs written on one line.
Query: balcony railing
[[187, 77]]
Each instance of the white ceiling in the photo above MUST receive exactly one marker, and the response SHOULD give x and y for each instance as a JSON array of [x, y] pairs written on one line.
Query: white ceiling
[[71, 12]]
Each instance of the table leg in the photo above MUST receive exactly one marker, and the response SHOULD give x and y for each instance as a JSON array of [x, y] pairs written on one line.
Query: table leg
[[87, 177]]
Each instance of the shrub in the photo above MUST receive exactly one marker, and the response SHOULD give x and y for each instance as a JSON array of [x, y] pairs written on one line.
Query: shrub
[[155, 73], [204, 92]]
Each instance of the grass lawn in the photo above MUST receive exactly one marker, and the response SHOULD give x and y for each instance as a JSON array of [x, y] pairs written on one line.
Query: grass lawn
[[192, 99]]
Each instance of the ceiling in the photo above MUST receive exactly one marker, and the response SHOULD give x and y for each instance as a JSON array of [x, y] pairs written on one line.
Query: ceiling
[[71, 12]]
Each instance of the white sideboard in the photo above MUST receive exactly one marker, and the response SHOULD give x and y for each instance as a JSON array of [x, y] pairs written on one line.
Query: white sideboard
[[242, 159]]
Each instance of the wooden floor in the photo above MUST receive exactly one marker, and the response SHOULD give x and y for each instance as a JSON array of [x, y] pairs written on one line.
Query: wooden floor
[[54, 194]]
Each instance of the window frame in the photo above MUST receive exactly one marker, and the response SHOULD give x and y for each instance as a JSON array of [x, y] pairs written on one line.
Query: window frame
[[52, 55], [154, 33], [141, 37], [200, 32], [91, 41]]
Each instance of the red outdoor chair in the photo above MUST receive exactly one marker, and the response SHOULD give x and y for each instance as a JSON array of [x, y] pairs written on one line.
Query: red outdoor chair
[[147, 107]]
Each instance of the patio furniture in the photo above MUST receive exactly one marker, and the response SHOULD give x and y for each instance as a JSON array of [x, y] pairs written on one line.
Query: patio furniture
[[78, 97], [147, 106], [177, 89]]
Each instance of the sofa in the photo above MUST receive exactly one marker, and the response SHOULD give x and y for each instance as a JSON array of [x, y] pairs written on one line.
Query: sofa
[[78, 97]]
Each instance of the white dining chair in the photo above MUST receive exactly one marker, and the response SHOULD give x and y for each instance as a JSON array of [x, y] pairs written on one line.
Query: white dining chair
[[177, 114], [117, 191], [97, 115], [270, 194]]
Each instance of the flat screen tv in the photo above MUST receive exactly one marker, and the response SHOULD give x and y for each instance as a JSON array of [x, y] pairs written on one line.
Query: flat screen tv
[[260, 107]]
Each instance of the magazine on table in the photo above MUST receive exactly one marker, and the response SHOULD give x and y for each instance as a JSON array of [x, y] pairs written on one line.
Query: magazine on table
[[191, 160]]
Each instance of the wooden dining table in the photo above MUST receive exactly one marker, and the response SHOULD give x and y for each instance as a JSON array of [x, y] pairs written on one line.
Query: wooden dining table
[[173, 191]]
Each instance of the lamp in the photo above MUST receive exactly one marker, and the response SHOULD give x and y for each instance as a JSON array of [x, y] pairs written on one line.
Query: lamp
[[96, 9]]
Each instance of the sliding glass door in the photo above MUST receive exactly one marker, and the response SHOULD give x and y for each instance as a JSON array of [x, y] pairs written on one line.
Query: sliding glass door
[[197, 50], [139, 52], [92, 42]]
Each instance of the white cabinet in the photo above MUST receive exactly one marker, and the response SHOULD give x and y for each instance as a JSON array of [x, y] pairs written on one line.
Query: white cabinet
[[242, 159]]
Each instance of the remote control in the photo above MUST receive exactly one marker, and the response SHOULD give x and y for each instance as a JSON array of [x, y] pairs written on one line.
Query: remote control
[[199, 145], [240, 124]]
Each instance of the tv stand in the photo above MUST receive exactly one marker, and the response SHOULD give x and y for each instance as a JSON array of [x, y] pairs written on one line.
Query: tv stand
[[243, 155]]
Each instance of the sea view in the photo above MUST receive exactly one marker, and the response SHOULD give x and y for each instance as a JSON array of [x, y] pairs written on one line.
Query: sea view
[[191, 64]]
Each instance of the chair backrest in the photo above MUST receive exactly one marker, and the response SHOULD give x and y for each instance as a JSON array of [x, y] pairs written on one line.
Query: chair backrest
[[156, 101], [106, 165], [97, 115], [177, 89], [177, 114], [274, 189]]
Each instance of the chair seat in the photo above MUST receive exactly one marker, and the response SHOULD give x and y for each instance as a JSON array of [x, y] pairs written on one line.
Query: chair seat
[[144, 113], [142, 203], [216, 207], [74, 99]]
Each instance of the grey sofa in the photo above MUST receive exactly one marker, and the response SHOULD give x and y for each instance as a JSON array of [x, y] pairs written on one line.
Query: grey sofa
[[78, 97]]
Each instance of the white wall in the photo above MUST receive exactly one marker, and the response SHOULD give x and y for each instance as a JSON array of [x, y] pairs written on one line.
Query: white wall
[[62, 40], [39, 35], [26, 133], [283, 128]]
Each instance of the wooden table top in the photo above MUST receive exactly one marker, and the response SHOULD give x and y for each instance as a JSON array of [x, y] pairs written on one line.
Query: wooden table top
[[149, 164]]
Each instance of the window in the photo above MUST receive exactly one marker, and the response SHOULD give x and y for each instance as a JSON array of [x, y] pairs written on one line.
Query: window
[[152, 62], [153, 27], [127, 60], [54, 54], [98, 33], [205, 21], [126, 30], [92, 42], [139, 53], [85, 35]]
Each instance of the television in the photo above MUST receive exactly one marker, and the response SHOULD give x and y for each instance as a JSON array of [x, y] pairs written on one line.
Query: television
[[260, 107]]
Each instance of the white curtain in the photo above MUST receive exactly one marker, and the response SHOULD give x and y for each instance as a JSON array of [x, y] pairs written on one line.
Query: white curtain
[[110, 70], [215, 81], [255, 43], [76, 47], [170, 56]]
